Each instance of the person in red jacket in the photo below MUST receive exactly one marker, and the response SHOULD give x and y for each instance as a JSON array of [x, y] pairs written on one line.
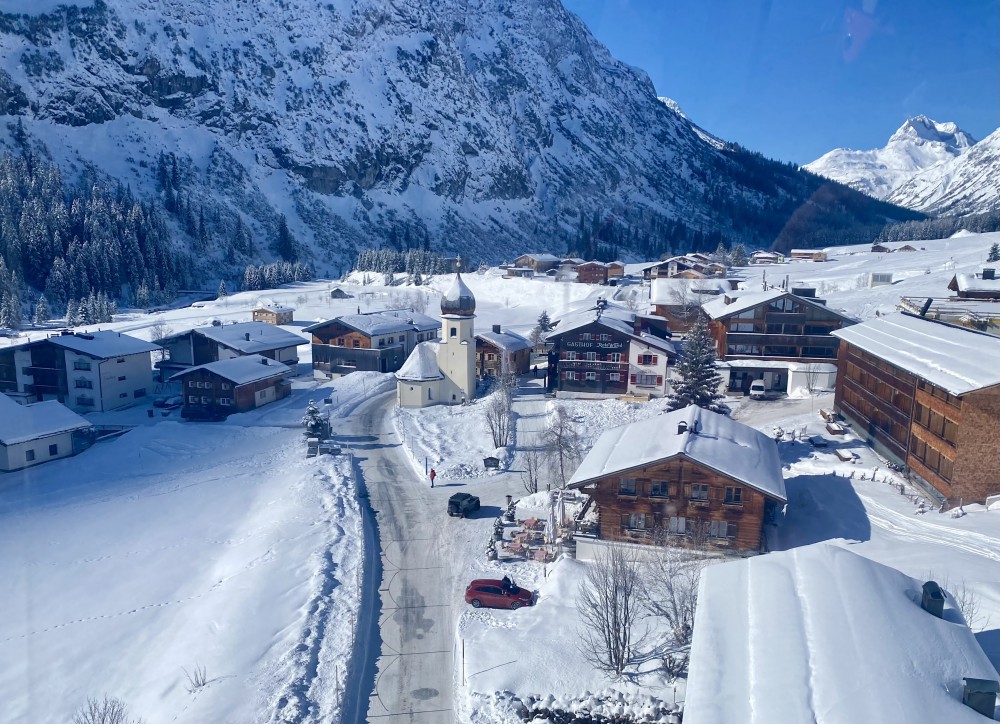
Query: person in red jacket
[[433, 474]]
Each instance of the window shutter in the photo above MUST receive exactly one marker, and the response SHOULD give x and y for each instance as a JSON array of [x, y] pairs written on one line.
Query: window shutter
[[654, 359], [659, 379], [625, 519], [632, 379]]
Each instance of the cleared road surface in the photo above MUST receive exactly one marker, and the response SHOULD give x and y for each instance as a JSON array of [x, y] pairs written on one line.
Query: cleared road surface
[[414, 670]]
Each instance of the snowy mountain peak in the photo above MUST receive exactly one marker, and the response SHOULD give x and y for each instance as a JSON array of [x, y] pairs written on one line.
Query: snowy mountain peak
[[672, 105], [919, 144], [921, 129]]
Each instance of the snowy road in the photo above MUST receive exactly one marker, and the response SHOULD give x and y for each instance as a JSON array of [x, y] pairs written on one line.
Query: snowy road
[[415, 669]]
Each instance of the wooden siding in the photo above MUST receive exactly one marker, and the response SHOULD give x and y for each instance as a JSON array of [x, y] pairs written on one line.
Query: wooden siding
[[489, 360], [272, 317], [213, 390], [657, 505]]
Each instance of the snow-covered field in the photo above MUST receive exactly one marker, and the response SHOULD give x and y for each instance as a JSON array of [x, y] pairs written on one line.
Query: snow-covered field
[[180, 545]]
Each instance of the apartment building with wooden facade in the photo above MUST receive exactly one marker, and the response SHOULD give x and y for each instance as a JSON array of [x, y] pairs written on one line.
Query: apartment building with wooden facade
[[764, 335], [927, 395], [373, 342], [609, 351], [690, 474], [202, 345]]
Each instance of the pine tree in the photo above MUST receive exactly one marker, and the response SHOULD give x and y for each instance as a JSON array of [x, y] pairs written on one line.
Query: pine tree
[[222, 290], [994, 253], [285, 246], [6, 318], [738, 257], [699, 379], [72, 313], [544, 323], [42, 312]]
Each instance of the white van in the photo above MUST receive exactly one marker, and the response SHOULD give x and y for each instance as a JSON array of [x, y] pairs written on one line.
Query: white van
[[757, 390]]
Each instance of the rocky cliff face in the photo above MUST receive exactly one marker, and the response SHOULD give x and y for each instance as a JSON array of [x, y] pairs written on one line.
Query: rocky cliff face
[[487, 127]]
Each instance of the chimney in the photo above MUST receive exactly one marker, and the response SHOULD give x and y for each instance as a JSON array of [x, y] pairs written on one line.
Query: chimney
[[246, 335], [989, 273], [932, 599], [981, 695], [682, 427], [926, 306], [263, 360], [496, 329]]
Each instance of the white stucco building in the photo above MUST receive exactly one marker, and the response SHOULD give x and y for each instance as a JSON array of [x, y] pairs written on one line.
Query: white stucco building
[[443, 371]]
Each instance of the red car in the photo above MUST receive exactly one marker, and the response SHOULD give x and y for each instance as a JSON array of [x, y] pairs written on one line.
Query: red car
[[497, 594]]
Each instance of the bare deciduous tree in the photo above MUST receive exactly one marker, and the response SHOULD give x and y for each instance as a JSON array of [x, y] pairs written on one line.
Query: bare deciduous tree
[[159, 330], [610, 605], [108, 710], [499, 415], [537, 338], [562, 444], [531, 476], [670, 591]]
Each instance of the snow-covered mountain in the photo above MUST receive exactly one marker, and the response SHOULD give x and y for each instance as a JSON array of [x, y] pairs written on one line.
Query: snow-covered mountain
[[966, 184], [919, 144], [485, 127]]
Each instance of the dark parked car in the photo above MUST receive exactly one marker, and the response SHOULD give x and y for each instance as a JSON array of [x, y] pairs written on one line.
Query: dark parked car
[[461, 504], [497, 594]]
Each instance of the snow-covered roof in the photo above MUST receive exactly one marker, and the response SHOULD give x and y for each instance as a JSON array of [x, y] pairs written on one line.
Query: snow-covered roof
[[665, 290], [593, 263], [387, 321], [713, 440], [507, 341], [821, 634], [540, 257], [247, 337], [975, 283], [422, 364], [21, 423], [241, 370], [717, 308], [655, 342], [640, 268], [102, 345], [956, 359]]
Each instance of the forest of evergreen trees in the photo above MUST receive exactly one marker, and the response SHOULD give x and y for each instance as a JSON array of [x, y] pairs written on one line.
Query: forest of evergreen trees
[[940, 228], [76, 243], [413, 261]]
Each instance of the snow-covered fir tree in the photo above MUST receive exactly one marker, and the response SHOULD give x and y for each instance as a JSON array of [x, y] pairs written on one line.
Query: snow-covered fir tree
[[698, 378], [72, 313], [544, 322], [222, 294], [738, 256], [42, 311], [994, 254]]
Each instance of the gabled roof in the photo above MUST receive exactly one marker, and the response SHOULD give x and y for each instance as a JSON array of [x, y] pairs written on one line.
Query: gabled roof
[[507, 341], [422, 364], [663, 290], [240, 370], [718, 309], [540, 257], [386, 321], [281, 309], [246, 337], [21, 423], [664, 345], [974, 283], [821, 634], [101, 345], [713, 440], [956, 359]]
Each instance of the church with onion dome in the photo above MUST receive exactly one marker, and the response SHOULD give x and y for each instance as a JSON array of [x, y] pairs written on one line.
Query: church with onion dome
[[443, 371]]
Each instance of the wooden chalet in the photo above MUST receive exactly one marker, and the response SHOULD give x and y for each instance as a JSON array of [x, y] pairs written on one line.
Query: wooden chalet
[[690, 474], [983, 285], [608, 351], [774, 326], [592, 272], [808, 255], [216, 390], [680, 300], [927, 395], [210, 344], [374, 341], [274, 315], [616, 270], [539, 263], [498, 352]]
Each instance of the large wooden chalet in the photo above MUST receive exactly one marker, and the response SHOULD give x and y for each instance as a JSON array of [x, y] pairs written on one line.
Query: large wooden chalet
[[374, 342], [768, 335], [983, 285], [216, 390], [609, 351], [498, 351], [927, 395], [210, 344], [690, 473]]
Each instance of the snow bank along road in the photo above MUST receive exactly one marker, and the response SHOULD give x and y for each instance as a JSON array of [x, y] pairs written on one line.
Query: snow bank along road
[[414, 671]]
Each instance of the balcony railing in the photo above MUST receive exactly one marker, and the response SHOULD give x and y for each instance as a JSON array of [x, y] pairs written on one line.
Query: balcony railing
[[583, 364]]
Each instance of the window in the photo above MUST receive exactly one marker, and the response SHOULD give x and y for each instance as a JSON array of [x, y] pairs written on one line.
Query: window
[[491, 357], [84, 384], [646, 380], [141, 392], [637, 521], [225, 401], [626, 486], [699, 491], [571, 356], [205, 400], [734, 495], [226, 385], [570, 375], [121, 378], [647, 359], [193, 399], [658, 489], [191, 383], [262, 394], [123, 395], [614, 377], [53, 449], [586, 336], [604, 337], [615, 357], [120, 360], [591, 356], [676, 525], [29, 455], [357, 343], [81, 365], [453, 332], [591, 376]]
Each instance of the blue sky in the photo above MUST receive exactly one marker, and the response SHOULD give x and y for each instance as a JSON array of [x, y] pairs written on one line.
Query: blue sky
[[797, 78]]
